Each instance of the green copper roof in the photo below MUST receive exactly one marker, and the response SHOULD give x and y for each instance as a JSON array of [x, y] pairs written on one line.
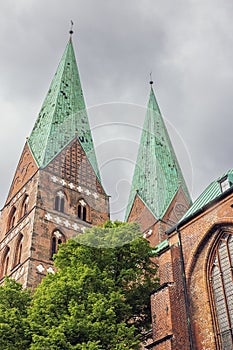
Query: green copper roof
[[63, 115], [157, 175], [209, 194], [161, 246]]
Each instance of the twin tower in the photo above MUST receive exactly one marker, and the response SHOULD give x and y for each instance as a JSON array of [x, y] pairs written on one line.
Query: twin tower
[[57, 191]]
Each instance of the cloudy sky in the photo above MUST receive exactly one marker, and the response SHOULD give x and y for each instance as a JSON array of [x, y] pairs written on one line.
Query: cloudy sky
[[188, 46]]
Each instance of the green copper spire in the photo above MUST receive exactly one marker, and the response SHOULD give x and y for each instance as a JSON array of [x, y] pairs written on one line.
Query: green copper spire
[[63, 115], [157, 175]]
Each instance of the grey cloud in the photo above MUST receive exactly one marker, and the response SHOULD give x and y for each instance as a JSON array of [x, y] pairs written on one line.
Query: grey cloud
[[187, 45]]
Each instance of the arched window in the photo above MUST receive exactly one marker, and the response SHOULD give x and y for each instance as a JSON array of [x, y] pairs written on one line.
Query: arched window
[[5, 262], [11, 219], [18, 250], [57, 239], [60, 201], [83, 210], [24, 206], [221, 288]]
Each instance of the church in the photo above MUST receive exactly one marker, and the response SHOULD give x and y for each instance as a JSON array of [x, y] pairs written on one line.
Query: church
[[57, 193]]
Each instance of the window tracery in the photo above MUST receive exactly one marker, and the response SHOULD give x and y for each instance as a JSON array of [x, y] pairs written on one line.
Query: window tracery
[[11, 219], [24, 206], [221, 283], [83, 210], [5, 262], [18, 250], [60, 201], [56, 240]]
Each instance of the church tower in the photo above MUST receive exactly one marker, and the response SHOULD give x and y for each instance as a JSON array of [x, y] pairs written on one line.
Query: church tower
[[159, 196], [56, 192], [158, 199]]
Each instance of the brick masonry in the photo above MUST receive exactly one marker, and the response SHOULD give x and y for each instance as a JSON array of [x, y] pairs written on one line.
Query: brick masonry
[[71, 174], [198, 237], [172, 312]]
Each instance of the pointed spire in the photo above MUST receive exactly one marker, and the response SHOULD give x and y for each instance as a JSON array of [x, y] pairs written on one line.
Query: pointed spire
[[157, 175], [63, 115]]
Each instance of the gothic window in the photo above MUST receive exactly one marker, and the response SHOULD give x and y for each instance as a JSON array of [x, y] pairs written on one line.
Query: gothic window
[[60, 201], [5, 262], [24, 207], [221, 281], [18, 250], [57, 239], [83, 210], [11, 219]]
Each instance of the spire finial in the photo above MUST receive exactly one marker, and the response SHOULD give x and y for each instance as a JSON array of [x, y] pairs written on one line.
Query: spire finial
[[151, 81], [71, 27]]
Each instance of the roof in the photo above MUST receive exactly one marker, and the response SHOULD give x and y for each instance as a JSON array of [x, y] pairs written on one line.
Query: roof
[[161, 247], [157, 175], [63, 115], [212, 192]]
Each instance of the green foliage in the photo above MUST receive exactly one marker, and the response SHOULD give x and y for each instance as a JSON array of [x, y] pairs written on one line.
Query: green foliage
[[99, 298], [112, 235], [13, 316]]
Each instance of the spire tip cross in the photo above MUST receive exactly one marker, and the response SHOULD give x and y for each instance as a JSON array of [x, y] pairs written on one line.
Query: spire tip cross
[[151, 81], [71, 27]]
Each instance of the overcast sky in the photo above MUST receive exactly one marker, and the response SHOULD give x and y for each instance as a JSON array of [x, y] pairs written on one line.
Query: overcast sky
[[188, 45]]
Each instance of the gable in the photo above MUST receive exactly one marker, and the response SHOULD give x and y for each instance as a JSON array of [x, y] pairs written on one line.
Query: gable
[[25, 170], [73, 165]]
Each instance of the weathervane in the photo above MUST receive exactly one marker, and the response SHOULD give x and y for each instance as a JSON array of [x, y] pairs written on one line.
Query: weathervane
[[71, 27], [151, 81]]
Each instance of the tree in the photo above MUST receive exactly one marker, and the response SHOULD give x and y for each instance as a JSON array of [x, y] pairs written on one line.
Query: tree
[[14, 328], [99, 297]]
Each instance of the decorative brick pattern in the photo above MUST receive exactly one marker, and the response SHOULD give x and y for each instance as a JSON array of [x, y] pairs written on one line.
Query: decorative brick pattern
[[73, 167], [76, 184]]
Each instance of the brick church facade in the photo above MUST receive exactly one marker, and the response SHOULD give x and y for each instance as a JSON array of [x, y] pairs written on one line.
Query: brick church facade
[[57, 192], [193, 307]]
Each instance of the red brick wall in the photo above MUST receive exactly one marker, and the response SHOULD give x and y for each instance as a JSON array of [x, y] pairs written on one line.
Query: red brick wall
[[161, 313], [141, 214], [165, 271], [77, 182], [23, 225], [165, 345], [25, 170], [176, 210], [168, 303], [198, 237]]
